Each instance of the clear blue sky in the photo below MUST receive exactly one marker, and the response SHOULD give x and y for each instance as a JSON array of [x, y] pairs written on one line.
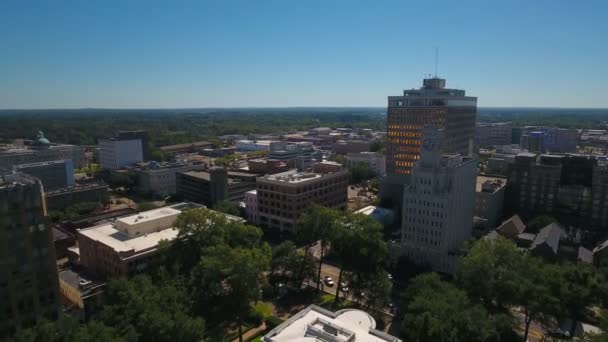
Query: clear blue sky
[[229, 53]]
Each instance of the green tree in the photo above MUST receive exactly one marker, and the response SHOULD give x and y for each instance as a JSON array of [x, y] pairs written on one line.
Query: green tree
[[490, 272], [233, 277], [286, 265], [69, 329], [361, 172], [540, 222], [160, 312], [579, 287], [318, 224], [358, 242], [227, 207], [439, 311]]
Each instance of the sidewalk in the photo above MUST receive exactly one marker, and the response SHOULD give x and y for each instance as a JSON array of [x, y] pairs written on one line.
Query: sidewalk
[[252, 333]]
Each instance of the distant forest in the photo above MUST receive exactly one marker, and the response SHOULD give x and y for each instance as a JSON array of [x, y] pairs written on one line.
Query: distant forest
[[86, 126], [174, 126]]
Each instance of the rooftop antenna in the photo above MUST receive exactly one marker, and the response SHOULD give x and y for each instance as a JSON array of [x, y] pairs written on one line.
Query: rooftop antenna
[[436, 59]]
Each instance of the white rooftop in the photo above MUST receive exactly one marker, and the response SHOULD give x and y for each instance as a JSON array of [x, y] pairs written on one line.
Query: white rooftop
[[136, 233], [293, 176], [317, 324]]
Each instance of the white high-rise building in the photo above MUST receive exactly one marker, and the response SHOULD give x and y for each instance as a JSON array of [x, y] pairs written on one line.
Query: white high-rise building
[[438, 205], [117, 153]]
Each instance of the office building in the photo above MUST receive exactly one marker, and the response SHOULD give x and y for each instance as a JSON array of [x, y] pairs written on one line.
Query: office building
[[264, 166], [315, 323], [283, 197], [215, 185], [115, 153], [40, 150], [28, 274], [438, 205], [489, 199], [53, 174], [252, 145], [493, 134], [533, 183], [138, 135], [251, 207], [351, 146], [549, 139], [374, 160], [295, 154], [61, 198], [159, 179], [193, 147], [449, 109]]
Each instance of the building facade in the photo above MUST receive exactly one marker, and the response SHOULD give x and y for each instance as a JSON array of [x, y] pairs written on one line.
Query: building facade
[[117, 153], [53, 174], [448, 109], [374, 160], [41, 150], [489, 199], [29, 288], [493, 134], [251, 207], [438, 205], [61, 198], [215, 185], [283, 197], [160, 179], [140, 135]]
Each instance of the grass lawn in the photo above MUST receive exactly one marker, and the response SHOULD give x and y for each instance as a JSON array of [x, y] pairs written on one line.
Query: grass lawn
[[257, 339], [264, 308]]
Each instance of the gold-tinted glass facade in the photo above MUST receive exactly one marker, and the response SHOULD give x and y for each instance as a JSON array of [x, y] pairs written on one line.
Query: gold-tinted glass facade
[[404, 133]]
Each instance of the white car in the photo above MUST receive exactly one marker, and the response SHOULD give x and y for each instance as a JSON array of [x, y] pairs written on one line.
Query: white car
[[328, 281]]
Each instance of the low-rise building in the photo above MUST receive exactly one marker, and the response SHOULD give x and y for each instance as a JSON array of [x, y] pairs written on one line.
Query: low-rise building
[[283, 197], [53, 174], [82, 290], [125, 246], [351, 146], [61, 198], [215, 185], [159, 178], [266, 166], [217, 152], [489, 198], [40, 150], [253, 145], [376, 161], [318, 324], [193, 147]]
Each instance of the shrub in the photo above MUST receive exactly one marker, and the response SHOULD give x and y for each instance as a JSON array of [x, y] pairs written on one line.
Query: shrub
[[272, 322]]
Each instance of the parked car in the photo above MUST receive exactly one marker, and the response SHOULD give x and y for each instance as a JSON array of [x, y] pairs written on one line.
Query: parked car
[[328, 281], [344, 286]]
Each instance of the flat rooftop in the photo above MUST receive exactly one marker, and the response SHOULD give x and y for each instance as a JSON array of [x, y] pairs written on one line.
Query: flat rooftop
[[141, 232], [482, 179], [293, 177], [317, 324]]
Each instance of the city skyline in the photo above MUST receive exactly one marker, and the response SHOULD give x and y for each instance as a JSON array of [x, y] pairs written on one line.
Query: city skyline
[[315, 54]]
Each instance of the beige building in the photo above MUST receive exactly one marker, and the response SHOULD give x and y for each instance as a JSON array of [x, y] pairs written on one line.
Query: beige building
[[283, 197], [124, 247]]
